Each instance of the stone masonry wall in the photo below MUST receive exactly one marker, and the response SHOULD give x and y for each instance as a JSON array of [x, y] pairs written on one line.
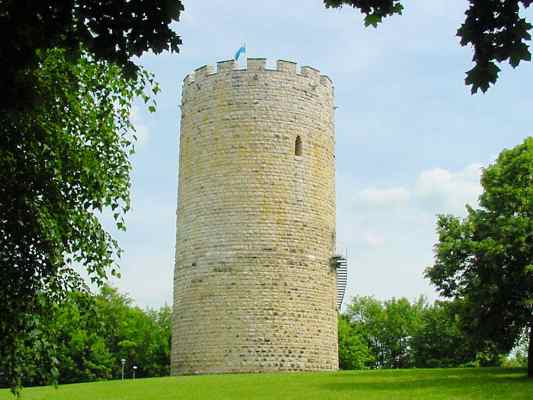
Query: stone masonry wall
[[254, 289]]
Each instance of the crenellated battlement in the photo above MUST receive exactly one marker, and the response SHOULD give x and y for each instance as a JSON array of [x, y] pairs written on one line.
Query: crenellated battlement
[[256, 65]]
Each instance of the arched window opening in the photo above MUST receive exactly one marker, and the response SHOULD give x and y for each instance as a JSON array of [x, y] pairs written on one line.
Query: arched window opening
[[298, 146]]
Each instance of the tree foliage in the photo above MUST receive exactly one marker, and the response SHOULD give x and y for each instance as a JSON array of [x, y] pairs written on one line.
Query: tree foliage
[[439, 342], [110, 30], [380, 328], [88, 336], [485, 261], [493, 28], [353, 349], [397, 333], [60, 165], [67, 91], [141, 337], [387, 327]]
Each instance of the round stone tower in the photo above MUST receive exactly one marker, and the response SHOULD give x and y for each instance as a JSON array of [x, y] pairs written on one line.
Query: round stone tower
[[254, 285]]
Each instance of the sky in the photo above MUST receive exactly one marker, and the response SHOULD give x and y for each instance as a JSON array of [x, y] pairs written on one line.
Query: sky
[[410, 138]]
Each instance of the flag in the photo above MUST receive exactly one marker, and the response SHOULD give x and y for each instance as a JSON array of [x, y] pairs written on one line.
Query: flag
[[241, 50]]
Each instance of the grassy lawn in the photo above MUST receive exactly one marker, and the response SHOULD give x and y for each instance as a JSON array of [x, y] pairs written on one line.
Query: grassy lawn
[[445, 384]]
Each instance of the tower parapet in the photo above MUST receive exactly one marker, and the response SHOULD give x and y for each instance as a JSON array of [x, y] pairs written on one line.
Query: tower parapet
[[254, 286], [256, 65]]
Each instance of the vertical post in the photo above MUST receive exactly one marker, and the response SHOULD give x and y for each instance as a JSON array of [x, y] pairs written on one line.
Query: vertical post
[[123, 362], [530, 353], [134, 369]]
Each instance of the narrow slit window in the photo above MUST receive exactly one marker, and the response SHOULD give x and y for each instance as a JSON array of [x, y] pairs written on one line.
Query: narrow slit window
[[298, 146]]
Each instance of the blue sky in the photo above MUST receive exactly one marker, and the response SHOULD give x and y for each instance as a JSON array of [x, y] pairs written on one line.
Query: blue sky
[[410, 138]]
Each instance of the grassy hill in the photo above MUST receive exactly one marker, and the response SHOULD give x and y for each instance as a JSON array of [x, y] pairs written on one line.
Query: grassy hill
[[445, 384]]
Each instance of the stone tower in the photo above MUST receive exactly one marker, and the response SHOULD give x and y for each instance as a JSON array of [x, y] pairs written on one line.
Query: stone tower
[[254, 286]]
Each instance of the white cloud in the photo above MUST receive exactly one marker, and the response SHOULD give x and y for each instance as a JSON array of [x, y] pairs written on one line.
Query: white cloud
[[444, 191]]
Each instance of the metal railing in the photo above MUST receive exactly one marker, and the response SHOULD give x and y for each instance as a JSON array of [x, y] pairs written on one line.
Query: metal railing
[[340, 263]]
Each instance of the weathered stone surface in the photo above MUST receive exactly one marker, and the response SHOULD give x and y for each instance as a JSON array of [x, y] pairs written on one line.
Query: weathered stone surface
[[254, 290]]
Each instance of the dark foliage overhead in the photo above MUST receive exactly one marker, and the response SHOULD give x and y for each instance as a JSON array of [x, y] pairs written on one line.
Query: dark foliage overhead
[[493, 28], [111, 30]]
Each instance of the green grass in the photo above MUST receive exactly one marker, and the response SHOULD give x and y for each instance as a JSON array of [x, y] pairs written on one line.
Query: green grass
[[414, 384]]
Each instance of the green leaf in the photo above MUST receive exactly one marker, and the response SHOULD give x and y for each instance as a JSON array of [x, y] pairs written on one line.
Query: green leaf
[[373, 19], [521, 53]]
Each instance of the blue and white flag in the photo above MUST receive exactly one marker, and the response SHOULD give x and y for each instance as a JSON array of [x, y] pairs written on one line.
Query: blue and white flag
[[241, 50]]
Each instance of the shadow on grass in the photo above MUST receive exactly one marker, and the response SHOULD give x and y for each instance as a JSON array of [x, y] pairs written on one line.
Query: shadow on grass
[[416, 380]]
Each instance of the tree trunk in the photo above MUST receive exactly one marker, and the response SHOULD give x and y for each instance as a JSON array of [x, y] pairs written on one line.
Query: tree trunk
[[530, 353]]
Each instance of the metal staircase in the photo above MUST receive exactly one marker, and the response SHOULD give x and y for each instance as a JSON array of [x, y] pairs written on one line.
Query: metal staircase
[[340, 263]]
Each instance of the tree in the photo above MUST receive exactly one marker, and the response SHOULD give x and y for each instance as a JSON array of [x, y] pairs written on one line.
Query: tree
[[66, 138], [89, 334], [353, 349], [366, 315], [387, 327], [485, 261], [493, 28], [80, 341], [403, 334], [112, 31], [402, 321], [61, 164], [439, 342], [141, 337]]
